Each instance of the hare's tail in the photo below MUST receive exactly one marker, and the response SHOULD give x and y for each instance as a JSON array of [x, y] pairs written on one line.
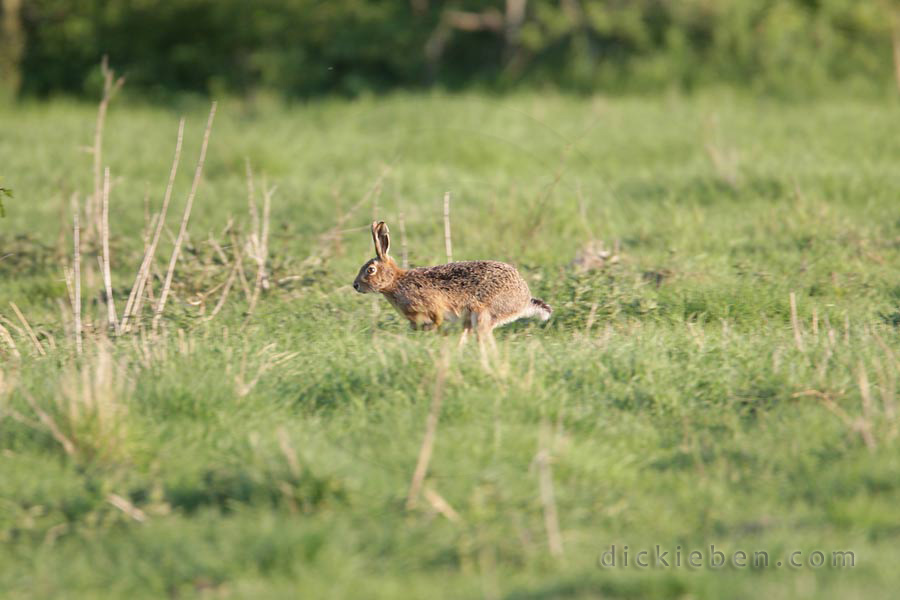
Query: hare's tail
[[539, 308]]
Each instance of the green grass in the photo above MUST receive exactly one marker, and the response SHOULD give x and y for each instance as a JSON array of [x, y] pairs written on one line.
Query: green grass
[[665, 388]]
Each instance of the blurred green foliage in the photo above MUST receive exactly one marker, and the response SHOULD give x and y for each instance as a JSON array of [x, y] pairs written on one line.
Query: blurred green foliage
[[307, 47], [4, 192]]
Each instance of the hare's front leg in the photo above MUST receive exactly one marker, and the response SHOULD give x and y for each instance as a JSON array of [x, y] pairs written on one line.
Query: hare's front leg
[[422, 321]]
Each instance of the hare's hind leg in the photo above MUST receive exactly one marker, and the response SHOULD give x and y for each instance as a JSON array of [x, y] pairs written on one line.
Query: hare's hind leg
[[468, 322], [483, 323]]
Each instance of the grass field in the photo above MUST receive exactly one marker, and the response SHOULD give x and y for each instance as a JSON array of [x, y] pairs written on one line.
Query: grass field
[[672, 400]]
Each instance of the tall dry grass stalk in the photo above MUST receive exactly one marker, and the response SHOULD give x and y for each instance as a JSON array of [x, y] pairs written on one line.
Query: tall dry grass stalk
[[107, 274], [448, 245], [76, 274], [259, 237], [290, 455], [859, 425], [161, 303], [8, 339], [404, 255], [239, 265], [725, 160], [127, 507], [439, 504], [795, 323], [111, 86], [547, 496], [251, 197], [895, 39], [28, 330], [269, 359], [226, 289], [136, 297], [865, 422], [431, 422]]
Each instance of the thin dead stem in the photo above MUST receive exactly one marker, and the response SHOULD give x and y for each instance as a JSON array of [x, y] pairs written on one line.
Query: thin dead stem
[[404, 256], [225, 290], [290, 455], [76, 274], [448, 246], [548, 498], [795, 323], [104, 236], [895, 39], [136, 298], [269, 361], [859, 425], [50, 424], [239, 265], [37, 345], [261, 249], [161, 303], [127, 507], [439, 504], [4, 333], [110, 87]]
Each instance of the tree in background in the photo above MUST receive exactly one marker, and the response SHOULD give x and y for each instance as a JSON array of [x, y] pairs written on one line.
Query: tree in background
[[303, 48], [12, 45]]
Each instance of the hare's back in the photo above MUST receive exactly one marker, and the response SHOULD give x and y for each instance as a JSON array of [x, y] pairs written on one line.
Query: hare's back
[[480, 279]]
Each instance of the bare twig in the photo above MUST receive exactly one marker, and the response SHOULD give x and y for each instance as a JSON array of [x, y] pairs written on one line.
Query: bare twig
[[161, 303], [447, 243], [431, 423], [136, 298]]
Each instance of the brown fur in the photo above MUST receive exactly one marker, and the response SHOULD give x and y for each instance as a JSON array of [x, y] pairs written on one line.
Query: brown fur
[[484, 294]]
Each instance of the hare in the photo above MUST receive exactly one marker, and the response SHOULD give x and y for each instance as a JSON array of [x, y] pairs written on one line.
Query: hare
[[484, 294]]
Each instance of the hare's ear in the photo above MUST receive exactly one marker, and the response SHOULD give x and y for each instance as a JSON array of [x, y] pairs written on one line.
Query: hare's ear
[[382, 238]]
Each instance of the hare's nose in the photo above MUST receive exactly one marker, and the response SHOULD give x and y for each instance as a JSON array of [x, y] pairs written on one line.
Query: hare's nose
[[356, 285]]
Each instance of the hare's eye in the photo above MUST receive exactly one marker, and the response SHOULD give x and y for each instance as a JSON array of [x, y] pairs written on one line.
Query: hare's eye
[[370, 270]]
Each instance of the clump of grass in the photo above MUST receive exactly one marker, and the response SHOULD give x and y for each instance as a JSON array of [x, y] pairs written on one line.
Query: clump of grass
[[85, 413]]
